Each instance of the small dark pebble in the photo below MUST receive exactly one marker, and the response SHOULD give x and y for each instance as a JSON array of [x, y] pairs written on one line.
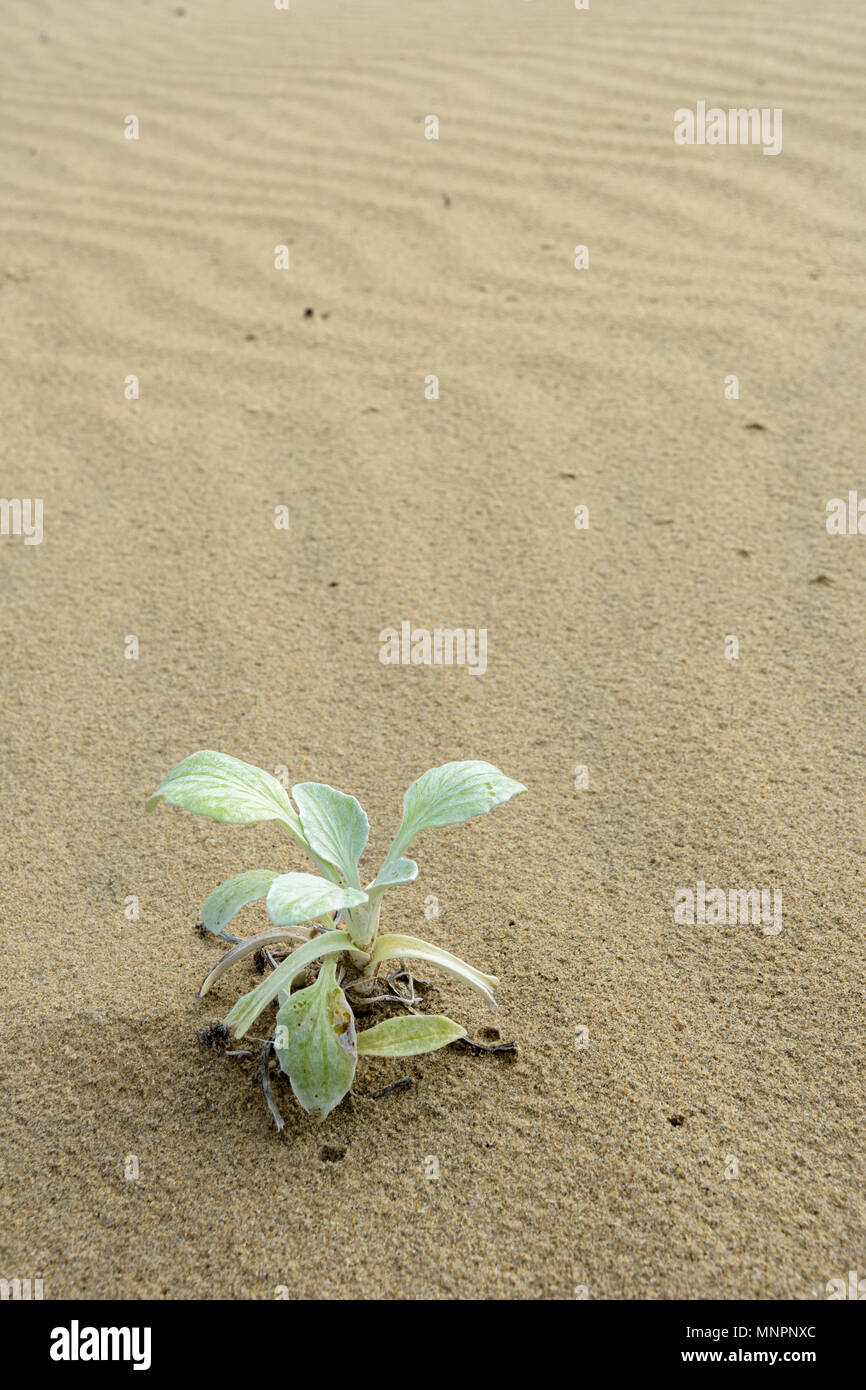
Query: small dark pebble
[[822, 579], [755, 426], [308, 313], [676, 1119]]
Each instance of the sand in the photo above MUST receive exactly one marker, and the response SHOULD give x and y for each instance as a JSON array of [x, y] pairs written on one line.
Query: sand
[[596, 1170]]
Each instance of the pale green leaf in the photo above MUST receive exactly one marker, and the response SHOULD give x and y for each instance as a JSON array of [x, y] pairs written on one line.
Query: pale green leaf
[[296, 898], [246, 948], [334, 825], [248, 1008], [226, 789], [449, 794], [398, 871], [408, 1036], [391, 945], [231, 896], [315, 1043]]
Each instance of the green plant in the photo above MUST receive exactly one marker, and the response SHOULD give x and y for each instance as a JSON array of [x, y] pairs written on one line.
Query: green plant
[[316, 1041]]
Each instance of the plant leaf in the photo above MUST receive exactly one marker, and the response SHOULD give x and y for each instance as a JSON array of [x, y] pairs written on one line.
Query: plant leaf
[[391, 945], [219, 909], [246, 948], [226, 789], [315, 1043], [398, 871], [294, 898], [449, 794], [334, 825], [408, 1036], [248, 1008]]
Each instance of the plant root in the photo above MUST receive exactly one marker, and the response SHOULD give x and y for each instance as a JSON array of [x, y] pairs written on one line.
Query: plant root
[[401, 985], [506, 1049], [403, 1084], [262, 1073]]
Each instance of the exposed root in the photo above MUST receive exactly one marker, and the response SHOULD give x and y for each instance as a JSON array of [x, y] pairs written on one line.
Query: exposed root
[[403, 1084], [262, 1074], [507, 1049], [401, 989]]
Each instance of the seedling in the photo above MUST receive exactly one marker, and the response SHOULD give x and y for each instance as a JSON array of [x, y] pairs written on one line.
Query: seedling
[[315, 1040]]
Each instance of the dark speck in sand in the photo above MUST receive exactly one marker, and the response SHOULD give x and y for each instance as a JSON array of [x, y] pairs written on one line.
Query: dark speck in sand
[[755, 426], [308, 313], [332, 1153]]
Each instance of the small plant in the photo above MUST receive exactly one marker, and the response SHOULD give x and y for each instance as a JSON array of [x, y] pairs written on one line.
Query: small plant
[[315, 1040]]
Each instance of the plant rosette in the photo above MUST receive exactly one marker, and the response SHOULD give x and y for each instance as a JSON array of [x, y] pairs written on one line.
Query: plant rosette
[[316, 1040]]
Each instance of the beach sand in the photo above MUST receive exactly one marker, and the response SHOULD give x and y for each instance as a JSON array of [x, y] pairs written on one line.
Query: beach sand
[[595, 1163]]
